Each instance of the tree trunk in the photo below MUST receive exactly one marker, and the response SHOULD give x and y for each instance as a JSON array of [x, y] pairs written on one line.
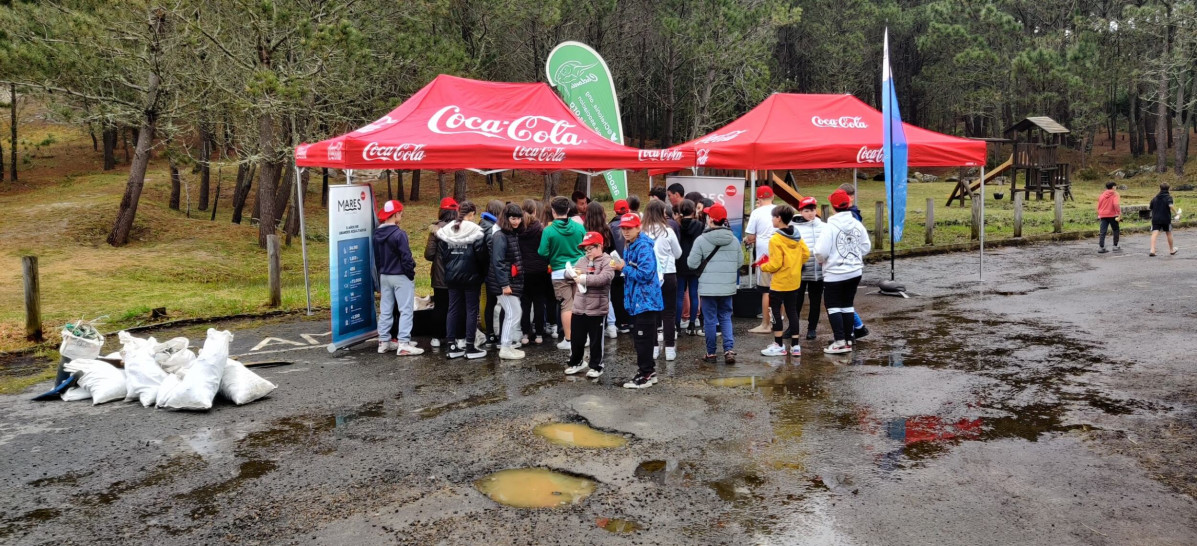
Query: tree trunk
[[176, 186], [12, 89], [459, 185], [2, 174], [324, 187], [125, 141], [109, 138], [1161, 119], [1132, 123], [580, 183], [291, 226], [207, 143], [283, 197], [415, 185], [499, 176], [389, 194], [399, 184], [119, 235], [267, 178], [245, 180], [442, 184]]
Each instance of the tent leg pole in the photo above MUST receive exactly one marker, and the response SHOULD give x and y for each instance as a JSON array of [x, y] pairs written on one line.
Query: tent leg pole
[[751, 207], [303, 240], [587, 186], [981, 263], [854, 188], [650, 182]]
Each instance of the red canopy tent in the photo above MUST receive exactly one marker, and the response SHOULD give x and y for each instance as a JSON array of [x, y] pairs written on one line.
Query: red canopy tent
[[457, 123], [792, 131]]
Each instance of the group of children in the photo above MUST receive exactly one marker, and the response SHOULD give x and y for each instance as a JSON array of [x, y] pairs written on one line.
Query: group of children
[[651, 274]]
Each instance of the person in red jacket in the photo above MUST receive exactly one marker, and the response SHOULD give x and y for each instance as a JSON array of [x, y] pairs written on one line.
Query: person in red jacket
[[1109, 213]]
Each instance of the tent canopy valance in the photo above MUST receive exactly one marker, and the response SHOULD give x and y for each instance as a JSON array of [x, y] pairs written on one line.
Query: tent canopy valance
[[458, 123], [798, 131]]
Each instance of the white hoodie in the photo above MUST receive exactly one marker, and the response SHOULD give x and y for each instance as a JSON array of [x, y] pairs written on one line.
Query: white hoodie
[[841, 247]]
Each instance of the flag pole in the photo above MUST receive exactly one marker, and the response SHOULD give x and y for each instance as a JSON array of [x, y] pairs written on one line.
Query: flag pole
[[981, 263]]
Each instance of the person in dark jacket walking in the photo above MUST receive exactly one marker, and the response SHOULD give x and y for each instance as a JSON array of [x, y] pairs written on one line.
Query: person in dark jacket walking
[[396, 280], [623, 323], [642, 297], [537, 289], [490, 226], [1161, 217], [506, 274], [440, 292], [687, 280], [463, 251]]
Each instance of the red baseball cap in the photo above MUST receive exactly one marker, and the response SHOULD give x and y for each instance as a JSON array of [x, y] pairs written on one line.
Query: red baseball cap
[[389, 209], [629, 220], [591, 238], [716, 212], [764, 192], [621, 206], [448, 203], [808, 202], [840, 199]]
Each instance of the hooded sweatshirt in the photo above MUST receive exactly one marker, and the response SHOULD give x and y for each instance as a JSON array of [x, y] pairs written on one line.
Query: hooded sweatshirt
[[504, 253], [392, 252], [667, 248], [787, 255], [529, 242], [559, 243], [722, 271], [1108, 205], [810, 231], [842, 246], [642, 286], [464, 254], [690, 230]]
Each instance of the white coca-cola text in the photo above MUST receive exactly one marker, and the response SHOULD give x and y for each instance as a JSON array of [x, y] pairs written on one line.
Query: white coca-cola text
[[539, 129], [842, 122], [403, 152], [702, 157], [721, 138], [660, 155], [867, 155], [544, 155], [334, 151]]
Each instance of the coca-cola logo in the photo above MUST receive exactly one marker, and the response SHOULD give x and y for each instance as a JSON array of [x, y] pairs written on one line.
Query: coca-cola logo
[[539, 129], [842, 122], [363, 196], [334, 151], [730, 191], [377, 124], [660, 155], [709, 139], [867, 155], [403, 152], [301, 152], [538, 154], [702, 156]]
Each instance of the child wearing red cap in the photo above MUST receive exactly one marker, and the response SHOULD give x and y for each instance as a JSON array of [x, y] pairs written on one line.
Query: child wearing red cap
[[841, 249], [757, 233], [810, 227], [594, 272], [440, 291], [396, 280], [715, 258], [642, 298]]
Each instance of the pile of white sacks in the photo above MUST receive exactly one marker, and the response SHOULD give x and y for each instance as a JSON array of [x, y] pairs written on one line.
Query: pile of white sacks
[[166, 375]]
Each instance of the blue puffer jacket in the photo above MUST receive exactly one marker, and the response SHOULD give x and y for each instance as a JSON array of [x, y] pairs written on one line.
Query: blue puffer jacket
[[642, 288]]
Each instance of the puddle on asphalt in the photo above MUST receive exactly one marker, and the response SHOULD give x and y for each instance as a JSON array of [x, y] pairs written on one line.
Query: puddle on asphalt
[[670, 472], [533, 388], [160, 475], [473, 401], [619, 526], [70, 478], [28, 520], [374, 409], [738, 488], [535, 488], [579, 435], [206, 496]]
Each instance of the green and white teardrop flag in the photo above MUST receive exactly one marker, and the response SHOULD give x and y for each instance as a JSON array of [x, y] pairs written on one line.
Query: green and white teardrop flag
[[584, 82]]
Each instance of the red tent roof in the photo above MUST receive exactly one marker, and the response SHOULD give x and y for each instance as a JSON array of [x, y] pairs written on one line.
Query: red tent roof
[[791, 131], [457, 123]]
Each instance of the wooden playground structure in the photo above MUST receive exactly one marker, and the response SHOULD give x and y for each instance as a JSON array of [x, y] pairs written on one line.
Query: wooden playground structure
[[1036, 141]]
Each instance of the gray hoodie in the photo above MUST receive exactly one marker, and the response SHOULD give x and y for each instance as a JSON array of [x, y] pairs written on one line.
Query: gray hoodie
[[811, 270], [722, 272], [841, 247]]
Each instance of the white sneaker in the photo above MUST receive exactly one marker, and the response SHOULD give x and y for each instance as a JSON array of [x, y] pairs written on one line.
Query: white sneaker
[[685, 325], [593, 373], [761, 330], [552, 328], [385, 346], [612, 331], [774, 350], [838, 348], [434, 342], [671, 353], [660, 336], [575, 369], [479, 339], [656, 352], [565, 345], [510, 353], [408, 349]]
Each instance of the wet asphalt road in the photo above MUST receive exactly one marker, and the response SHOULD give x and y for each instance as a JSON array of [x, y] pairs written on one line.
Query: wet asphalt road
[[1052, 403]]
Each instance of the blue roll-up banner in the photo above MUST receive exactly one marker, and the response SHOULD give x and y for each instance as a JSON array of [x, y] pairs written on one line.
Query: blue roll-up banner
[[350, 264]]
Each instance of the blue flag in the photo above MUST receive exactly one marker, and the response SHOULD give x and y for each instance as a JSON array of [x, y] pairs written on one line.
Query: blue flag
[[894, 146]]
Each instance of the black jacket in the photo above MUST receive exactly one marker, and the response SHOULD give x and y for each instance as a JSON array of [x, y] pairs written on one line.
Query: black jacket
[[392, 252], [505, 252], [532, 261], [690, 230], [430, 254], [464, 254]]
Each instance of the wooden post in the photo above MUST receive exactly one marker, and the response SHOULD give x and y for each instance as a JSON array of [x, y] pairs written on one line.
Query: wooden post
[[1018, 201], [826, 211], [276, 287], [879, 225], [33, 299], [930, 221], [1059, 227], [976, 227]]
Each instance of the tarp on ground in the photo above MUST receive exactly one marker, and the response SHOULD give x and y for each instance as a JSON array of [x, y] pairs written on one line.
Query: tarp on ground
[[801, 131], [458, 123]]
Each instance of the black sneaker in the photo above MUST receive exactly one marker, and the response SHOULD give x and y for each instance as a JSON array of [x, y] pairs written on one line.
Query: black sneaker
[[860, 332], [810, 333], [491, 342], [455, 351], [474, 352], [1102, 250], [641, 381]]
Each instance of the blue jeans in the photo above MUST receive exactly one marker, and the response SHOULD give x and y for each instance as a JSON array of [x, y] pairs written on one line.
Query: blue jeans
[[686, 283], [717, 310]]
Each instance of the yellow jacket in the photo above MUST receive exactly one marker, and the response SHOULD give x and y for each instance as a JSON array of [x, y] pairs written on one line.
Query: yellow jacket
[[787, 253]]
